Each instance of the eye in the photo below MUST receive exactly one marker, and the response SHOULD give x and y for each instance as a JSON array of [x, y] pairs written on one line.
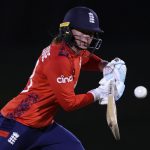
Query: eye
[[91, 35]]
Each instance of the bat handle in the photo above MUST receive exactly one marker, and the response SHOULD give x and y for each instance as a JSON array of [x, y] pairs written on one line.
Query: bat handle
[[111, 87]]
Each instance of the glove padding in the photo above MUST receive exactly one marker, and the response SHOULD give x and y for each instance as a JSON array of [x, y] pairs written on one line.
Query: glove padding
[[101, 93], [116, 69], [113, 71], [118, 90]]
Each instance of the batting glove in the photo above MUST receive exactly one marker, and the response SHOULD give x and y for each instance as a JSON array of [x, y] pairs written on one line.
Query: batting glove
[[101, 93], [116, 69]]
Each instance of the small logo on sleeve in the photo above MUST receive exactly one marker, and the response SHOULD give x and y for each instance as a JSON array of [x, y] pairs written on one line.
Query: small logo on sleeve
[[13, 138], [63, 79]]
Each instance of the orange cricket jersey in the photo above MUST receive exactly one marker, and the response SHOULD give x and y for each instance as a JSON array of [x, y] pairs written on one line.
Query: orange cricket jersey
[[51, 86]]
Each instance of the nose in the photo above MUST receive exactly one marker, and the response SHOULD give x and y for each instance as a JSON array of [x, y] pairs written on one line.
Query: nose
[[85, 37]]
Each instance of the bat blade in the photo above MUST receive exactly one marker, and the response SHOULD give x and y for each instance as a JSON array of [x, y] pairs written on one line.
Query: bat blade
[[111, 113]]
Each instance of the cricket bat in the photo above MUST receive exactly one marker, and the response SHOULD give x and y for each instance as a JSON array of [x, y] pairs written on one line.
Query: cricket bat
[[111, 112]]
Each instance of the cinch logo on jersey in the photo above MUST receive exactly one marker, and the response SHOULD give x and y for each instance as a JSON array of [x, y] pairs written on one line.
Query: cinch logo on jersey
[[63, 79], [13, 138], [91, 18]]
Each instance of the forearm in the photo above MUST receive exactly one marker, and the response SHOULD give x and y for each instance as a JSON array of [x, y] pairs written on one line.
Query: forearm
[[94, 63], [75, 102]]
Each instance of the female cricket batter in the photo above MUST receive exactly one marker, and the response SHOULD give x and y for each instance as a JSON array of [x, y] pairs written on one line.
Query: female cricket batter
[[27, 121]]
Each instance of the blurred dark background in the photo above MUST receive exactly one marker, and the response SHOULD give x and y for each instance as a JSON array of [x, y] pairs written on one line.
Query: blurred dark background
[[27, 26]]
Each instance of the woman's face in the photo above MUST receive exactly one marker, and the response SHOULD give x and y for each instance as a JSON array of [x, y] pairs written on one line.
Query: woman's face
[[83, 40]]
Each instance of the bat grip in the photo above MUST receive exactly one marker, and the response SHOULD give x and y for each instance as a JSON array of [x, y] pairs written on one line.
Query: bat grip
[[111, 87]]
